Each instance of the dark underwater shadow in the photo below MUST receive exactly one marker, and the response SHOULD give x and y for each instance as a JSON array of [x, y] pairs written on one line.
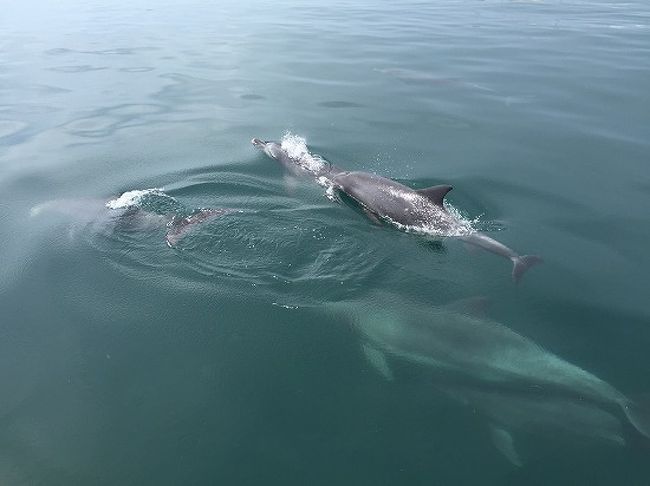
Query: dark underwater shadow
[[339, 104], [436, 246]]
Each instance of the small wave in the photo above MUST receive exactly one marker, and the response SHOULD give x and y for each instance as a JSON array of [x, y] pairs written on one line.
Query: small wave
[[133, 198], [273, 243], [154, 200]]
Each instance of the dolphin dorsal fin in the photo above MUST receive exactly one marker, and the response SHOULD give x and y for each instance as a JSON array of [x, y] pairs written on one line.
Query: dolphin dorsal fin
[[436, 194]]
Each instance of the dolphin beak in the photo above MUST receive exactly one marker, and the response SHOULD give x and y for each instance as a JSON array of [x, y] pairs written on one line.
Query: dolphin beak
[[258, 143]]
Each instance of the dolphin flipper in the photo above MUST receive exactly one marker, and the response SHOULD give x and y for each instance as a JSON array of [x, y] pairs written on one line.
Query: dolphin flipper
[[378, 360], [521, 263], [504, 442], [372, 217]]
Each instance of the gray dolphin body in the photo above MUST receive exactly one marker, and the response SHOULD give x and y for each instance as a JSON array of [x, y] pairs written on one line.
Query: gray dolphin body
[[414, 210], [489, 365]]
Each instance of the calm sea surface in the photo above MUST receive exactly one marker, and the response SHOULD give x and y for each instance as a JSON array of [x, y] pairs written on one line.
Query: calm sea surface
[[124, 361]]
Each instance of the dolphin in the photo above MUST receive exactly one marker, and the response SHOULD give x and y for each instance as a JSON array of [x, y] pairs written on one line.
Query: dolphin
[[549, 416], [383, 199], [463, 348], [139, 210]]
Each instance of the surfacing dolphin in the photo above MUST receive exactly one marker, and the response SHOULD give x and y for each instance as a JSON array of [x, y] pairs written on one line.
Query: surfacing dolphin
[[139, 210], [414, 210], [511, 379]]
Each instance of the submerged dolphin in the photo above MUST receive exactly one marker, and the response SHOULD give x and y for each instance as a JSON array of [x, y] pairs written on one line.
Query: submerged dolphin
[[421, 211], [472, 352], [552, 417], [144, 210]]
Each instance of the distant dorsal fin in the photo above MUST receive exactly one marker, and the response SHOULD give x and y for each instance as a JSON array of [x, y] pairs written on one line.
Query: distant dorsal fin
[[436, 194]]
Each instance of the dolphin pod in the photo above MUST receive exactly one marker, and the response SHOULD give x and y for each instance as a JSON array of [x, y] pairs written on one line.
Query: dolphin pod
[[511, 380], [515, 384], [383, 199]]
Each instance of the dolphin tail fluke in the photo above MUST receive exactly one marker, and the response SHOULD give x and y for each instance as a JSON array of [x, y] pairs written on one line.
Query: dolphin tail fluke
[[179, 227], [638, 413], [521, 263]]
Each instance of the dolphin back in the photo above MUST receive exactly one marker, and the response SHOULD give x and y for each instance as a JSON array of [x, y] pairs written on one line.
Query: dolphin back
[[179, 226]]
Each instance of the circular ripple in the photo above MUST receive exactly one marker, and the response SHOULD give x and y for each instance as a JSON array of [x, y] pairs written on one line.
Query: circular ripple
[[281, 253], [272, 245], [93, 126]]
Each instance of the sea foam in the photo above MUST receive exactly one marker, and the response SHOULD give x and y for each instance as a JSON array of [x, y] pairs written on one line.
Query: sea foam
[[296, 148], [134, 198]]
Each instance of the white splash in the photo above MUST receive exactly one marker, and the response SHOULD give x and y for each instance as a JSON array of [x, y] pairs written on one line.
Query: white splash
[[133, 198], [285, 306], [295, 147], [463, 226], [330, 189]]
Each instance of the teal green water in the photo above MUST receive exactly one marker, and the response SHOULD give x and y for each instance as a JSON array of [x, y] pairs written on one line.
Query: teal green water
[[124, 361]]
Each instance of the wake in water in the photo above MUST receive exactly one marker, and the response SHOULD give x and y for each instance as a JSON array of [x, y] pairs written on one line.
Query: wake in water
[[140, 198]]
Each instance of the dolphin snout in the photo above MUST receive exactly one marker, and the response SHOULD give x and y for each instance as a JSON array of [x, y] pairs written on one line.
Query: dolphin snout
[[258, 143]]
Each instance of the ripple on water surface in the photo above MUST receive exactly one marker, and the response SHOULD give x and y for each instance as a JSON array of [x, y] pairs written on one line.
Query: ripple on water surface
[[270, 243], [106, 121], [11, 127]]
